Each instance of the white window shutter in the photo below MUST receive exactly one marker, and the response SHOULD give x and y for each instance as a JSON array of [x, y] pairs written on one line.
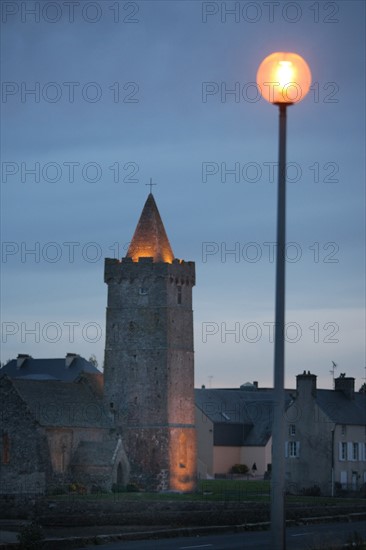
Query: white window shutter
[[349, 451], [286, 449], [340, 450], [361, 451]]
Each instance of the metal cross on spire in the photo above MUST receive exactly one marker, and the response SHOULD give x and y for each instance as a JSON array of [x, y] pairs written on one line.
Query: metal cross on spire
[[151, 184]]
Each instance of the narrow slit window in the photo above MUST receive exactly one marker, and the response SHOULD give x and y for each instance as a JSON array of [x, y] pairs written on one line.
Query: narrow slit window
[[6, 449], [179, 296]]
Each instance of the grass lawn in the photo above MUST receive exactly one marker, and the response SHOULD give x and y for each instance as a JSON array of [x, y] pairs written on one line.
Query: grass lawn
[[215, 489]]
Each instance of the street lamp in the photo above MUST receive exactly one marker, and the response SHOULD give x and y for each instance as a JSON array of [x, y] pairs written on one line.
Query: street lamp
[[283, 79]]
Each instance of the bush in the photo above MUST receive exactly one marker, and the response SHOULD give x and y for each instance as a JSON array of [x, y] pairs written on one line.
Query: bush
[[31, 537], [313, 491], [77, 488], [58, 491], [132, 488], [118, 488], [98, 490], [239, 469]]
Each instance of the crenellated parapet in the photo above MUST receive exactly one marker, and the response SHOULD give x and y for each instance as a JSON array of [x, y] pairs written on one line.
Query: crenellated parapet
[[178, 272]]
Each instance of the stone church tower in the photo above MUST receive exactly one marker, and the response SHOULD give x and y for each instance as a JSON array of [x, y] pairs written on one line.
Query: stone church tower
[[149, 362]]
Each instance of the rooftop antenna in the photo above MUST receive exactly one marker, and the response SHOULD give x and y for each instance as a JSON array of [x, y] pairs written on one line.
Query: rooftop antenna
[[332, 371], [151, 184], [210, 378], [364, 378]]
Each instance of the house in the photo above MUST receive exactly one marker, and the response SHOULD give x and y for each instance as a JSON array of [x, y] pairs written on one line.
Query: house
[[325, 443], [234, 426], [325, 433], [46, 427]]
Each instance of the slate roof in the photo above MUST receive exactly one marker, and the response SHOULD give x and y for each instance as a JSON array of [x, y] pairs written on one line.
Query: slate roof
[[48, 369], [95, 453], [63, 404], [342, 410], [240, 417], [150, 238]]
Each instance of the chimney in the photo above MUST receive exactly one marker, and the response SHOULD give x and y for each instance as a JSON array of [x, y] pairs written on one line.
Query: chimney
[[69, 359], [306, 385], [255, 384], [346, 385], [21, 359]]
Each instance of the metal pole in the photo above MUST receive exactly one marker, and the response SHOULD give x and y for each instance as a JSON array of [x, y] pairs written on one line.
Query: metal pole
[[332, 480], [278, 432]]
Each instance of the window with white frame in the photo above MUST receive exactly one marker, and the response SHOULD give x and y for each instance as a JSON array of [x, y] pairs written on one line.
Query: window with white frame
[[293, 449], [355, 451], [292, 430], [343, 429], [343, 451]]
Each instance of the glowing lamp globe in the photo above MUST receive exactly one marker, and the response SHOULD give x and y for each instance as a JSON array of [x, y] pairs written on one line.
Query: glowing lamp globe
[[284, 77]]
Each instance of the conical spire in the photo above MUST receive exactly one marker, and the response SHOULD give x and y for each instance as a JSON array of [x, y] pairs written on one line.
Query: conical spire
[[150, 238]]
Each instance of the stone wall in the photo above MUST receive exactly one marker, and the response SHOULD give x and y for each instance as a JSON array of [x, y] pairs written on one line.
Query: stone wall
[[76, 511], [27, 466], [149, 367]]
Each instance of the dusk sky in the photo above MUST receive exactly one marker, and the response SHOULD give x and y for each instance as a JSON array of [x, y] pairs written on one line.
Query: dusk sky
[[125, 91]]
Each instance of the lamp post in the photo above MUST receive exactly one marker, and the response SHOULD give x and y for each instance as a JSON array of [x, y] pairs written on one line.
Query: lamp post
[[283, 79]]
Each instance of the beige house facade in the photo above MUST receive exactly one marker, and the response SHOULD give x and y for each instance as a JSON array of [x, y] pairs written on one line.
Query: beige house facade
[[234, 427]]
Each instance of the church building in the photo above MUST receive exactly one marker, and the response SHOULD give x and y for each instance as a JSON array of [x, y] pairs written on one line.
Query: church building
[[136, 421]]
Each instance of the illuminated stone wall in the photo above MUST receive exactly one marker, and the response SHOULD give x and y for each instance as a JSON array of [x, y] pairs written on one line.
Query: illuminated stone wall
[[149, 367]]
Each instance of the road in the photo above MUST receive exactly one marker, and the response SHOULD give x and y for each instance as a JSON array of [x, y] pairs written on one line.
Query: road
[[298, 538]]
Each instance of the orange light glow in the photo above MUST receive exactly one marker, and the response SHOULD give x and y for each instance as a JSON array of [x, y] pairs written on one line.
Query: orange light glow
[[284, 77], [150, 239], [158, 255], [183, 459]]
